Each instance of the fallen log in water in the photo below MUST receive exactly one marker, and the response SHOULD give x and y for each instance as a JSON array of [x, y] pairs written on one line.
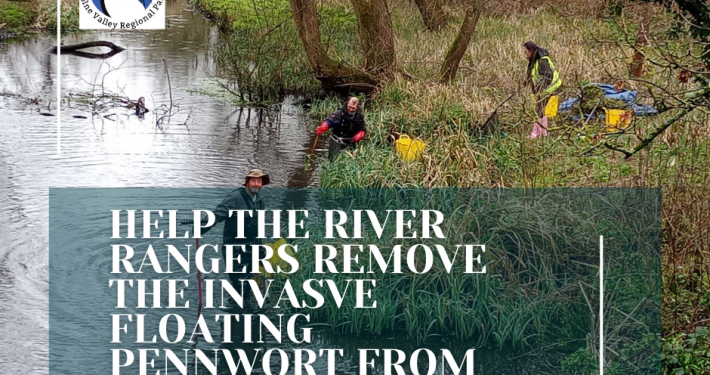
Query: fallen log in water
[[75, 49]]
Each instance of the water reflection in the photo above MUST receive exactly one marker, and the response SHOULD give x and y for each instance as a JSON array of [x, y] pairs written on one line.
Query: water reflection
[[27, 144], [187, 139], [27, 69], [205, 142]]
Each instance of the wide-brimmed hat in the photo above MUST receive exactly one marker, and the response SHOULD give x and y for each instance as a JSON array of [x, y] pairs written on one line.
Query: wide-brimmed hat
[[256, 173]]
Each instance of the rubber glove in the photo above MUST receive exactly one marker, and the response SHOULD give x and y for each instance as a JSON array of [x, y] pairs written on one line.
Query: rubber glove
[[359, 136], [322, 128]]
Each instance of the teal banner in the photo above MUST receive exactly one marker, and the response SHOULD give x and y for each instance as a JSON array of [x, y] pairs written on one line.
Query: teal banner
[[354, 281]]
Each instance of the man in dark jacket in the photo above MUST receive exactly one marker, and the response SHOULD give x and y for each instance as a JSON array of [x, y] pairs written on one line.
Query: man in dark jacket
[[348, 126], [243, 198]]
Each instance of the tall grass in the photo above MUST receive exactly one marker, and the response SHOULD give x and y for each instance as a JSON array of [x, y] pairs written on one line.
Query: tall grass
[[448, 118], [539, 290], [460, 153]]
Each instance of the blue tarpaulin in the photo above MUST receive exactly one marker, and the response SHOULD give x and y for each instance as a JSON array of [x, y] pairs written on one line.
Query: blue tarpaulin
[[628, 96]]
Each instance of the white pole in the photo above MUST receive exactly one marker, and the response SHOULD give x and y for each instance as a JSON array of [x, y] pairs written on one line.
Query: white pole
[[601, 305], [59, 76]]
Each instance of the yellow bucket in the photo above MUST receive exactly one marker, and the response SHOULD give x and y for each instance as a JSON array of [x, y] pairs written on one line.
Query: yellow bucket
[[553, 104], [275, 261], [617, 119], [409, 149]]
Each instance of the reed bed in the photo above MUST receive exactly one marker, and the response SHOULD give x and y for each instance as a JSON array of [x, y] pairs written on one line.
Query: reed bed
[[540, 291]]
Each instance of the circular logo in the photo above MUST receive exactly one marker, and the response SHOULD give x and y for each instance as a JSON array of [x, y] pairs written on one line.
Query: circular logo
[[122, 14], [101, 5]]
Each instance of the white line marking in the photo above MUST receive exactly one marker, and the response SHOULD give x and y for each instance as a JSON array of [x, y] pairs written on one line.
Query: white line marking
[[59, 77], [601, 305]]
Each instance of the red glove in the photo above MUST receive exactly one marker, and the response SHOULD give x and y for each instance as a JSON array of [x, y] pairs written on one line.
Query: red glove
[[322, 128], [359, 136]]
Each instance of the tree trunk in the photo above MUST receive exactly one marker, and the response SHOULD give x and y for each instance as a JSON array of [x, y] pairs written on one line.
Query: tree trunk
[[460, 44], [432, 14], [637, 65], [374, 27], [332, 75]]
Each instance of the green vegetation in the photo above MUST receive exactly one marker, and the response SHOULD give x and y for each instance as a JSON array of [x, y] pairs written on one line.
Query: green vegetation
[[686, 346], [13, 16], [37, 15], [541, 285], [461, 153], [687, 353], [69, 16], [260, 51], [466, 150], [593, 102]]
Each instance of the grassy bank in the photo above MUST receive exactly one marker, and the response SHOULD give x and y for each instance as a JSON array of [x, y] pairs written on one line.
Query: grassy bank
[[460, 153], [18, 19], [449, 117]]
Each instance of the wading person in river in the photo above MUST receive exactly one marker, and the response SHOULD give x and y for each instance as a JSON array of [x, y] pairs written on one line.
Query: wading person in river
[[544, 81], [243, 198], [348, 126]]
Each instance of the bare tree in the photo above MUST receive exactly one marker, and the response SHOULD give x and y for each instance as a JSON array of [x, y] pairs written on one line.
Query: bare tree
[[333, 75], [432, 14], [460, 44], [376, 35], [637, 65], [679, 100]]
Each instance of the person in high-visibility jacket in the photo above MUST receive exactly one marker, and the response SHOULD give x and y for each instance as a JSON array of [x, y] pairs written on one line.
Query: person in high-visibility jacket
[[544, 80]]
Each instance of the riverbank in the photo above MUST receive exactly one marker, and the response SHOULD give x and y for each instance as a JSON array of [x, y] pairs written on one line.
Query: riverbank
[[462, 151], [19, 19], [448, 117], [260, 50]]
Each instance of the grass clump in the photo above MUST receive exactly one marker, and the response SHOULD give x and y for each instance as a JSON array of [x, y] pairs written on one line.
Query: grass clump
[[13, 16], [69, 16], [260, 53], [38, 16]]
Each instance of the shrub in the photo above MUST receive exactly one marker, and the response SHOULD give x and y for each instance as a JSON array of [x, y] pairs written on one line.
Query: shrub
[[13, 16]]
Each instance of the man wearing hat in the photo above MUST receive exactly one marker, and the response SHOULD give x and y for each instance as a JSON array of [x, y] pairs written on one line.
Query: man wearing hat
[[243, 198]]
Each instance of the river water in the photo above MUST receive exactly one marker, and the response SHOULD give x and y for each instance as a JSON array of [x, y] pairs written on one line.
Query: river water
[[206, 141], [27, 153]]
